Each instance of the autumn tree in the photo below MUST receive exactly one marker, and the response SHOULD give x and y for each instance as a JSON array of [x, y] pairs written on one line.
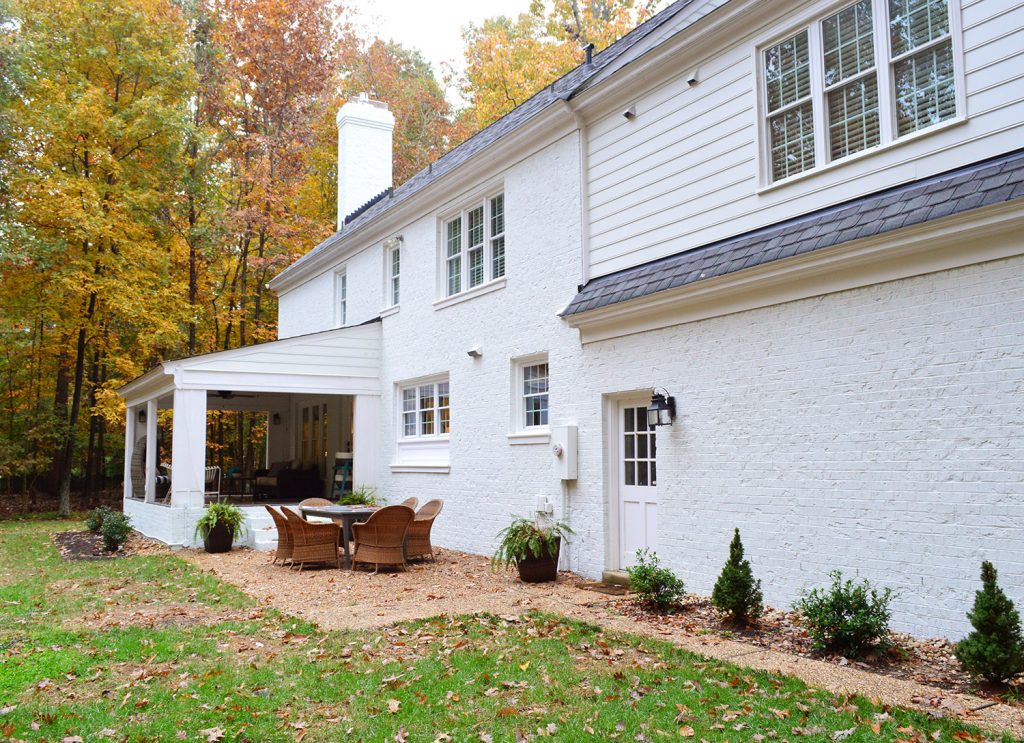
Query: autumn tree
[[95, 130], [510, 59], [425, 125]]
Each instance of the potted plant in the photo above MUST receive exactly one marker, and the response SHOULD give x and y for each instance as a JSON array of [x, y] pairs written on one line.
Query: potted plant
[[220, 525], [364, 495], [534, 549]]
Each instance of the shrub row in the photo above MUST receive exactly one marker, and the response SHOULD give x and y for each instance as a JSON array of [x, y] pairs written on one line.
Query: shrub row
[[847, 616]]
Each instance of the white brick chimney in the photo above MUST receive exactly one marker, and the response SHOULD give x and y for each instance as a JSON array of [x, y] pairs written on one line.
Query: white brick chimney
[[364, 153]]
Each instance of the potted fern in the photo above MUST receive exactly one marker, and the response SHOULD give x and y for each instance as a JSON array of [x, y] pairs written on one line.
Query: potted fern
[[533, 549], [220, 525]]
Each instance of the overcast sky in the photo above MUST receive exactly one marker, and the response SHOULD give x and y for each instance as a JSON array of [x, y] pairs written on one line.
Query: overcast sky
[[433, 28]]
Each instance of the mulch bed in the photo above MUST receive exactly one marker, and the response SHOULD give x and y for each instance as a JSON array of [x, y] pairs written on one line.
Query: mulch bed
[[84, 545], [926, 661]]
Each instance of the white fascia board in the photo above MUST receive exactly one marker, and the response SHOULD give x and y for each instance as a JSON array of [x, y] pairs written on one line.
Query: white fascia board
[[987, 234], [152, 385], [285, 383], [545, 128]]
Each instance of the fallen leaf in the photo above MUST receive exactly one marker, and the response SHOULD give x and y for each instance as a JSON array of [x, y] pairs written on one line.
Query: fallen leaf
[[393, 705], [686, 732]]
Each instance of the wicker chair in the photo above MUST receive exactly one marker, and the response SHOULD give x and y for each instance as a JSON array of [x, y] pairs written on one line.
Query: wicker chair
[[417, 539], [411, 502], [313, 542], [285, 538], [314, 503], [381, 538]]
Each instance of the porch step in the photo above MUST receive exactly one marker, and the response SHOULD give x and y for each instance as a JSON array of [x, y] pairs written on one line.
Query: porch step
[[615, 577], [260, 532]]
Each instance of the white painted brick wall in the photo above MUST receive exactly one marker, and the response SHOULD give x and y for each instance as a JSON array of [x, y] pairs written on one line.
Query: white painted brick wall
[[879, 430], [490, 480]]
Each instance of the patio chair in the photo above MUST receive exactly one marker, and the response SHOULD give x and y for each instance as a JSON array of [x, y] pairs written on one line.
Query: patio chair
[[381, 538], [316, 503], [417, 540], [411, 502], [313, 542], [285, 539]]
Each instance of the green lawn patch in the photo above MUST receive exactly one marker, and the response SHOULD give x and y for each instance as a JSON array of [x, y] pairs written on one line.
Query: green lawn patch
[[148, 648]]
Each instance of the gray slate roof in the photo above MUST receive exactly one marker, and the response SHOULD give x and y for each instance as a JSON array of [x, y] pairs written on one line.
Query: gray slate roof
[[979, 184], [562, 89]]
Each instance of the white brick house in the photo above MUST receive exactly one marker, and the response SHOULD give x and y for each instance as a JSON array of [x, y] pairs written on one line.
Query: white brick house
[[803, 220]]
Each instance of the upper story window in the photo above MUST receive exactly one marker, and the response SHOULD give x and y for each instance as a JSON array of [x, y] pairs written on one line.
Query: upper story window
[[394, 263], [426, 410], [474, 246], [340, 298], [873, 72]]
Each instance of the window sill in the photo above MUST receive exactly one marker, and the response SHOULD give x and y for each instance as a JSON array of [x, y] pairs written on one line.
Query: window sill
[[828, 167], [389, 311], [521, 438], [476, 291], [437, 468]]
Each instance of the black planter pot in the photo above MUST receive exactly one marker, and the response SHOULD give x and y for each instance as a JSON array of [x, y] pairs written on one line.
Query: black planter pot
[[218, 539], [541, 569]]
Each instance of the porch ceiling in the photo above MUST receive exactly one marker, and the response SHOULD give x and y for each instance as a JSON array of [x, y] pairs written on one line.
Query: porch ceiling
[[345, 361]]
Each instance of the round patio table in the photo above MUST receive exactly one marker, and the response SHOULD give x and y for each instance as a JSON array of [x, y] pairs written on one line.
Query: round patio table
[[346, 516]]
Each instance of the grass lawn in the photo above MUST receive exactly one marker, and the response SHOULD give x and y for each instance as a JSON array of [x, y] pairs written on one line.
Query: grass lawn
[[146, 648]]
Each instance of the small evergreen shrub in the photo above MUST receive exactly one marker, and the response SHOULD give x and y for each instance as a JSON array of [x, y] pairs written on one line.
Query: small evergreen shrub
[[995, 649], [654, 585], [847, 617], [116, 529], [94, 521], [736, 592]]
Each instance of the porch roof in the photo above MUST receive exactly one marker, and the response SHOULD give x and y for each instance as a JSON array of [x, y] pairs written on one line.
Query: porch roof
[[344, 361]]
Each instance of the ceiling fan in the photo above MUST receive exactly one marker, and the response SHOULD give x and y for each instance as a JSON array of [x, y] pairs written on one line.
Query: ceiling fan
[[228, 394]]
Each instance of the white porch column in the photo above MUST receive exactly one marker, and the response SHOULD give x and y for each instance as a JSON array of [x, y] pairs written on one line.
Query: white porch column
[[151, 453], [130, 416], [365, 444], [188, 448]]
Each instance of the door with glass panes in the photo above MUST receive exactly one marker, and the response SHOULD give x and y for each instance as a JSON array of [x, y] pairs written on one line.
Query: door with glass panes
[[637, 481]]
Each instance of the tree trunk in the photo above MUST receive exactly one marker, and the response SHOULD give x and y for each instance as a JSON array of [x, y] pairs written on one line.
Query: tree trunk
[[68, 458]]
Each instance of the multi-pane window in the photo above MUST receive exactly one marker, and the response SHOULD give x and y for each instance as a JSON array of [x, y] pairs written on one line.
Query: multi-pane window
[[922, 50], [394, 273], [535, 395], [426, 410], [474, 245], [341, 297], [787, 72], [866, 75]]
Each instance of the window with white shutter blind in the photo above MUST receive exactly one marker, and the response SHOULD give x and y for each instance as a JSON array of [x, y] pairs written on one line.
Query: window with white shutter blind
[[865, 75], [474, 246]]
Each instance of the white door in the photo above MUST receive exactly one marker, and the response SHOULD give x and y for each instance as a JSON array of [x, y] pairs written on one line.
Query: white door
[[638, 480]]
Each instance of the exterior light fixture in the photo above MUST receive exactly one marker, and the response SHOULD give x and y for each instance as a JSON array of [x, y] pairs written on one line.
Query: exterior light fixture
[[142, 415], [276, 419], [662, 410]]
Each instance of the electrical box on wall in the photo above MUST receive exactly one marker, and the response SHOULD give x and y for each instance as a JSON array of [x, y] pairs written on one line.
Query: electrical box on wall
[[563, 448]]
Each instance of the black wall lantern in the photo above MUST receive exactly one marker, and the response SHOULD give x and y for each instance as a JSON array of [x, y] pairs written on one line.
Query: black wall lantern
[[142, 415], [276, 419], [662, 410]]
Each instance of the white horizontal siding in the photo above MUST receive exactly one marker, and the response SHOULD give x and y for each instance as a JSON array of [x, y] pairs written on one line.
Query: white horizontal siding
[[684, 172]]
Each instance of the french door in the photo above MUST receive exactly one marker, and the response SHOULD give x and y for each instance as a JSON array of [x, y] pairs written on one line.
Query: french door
[[637, 482]]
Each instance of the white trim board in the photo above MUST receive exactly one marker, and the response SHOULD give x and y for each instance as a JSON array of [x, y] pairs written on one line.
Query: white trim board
[[939, 245]]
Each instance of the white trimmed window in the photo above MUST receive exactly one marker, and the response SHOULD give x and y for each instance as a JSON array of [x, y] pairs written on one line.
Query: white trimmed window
[[531, 381], [426, 410], [474, 246], [863, 76], [394, 275], [340, 298]]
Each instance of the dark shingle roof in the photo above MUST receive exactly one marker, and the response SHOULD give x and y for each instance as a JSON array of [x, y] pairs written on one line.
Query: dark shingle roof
[[562, 89], [979, 184]]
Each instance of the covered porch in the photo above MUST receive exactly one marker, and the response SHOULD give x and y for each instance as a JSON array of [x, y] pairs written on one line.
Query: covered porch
[[319, 395]]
